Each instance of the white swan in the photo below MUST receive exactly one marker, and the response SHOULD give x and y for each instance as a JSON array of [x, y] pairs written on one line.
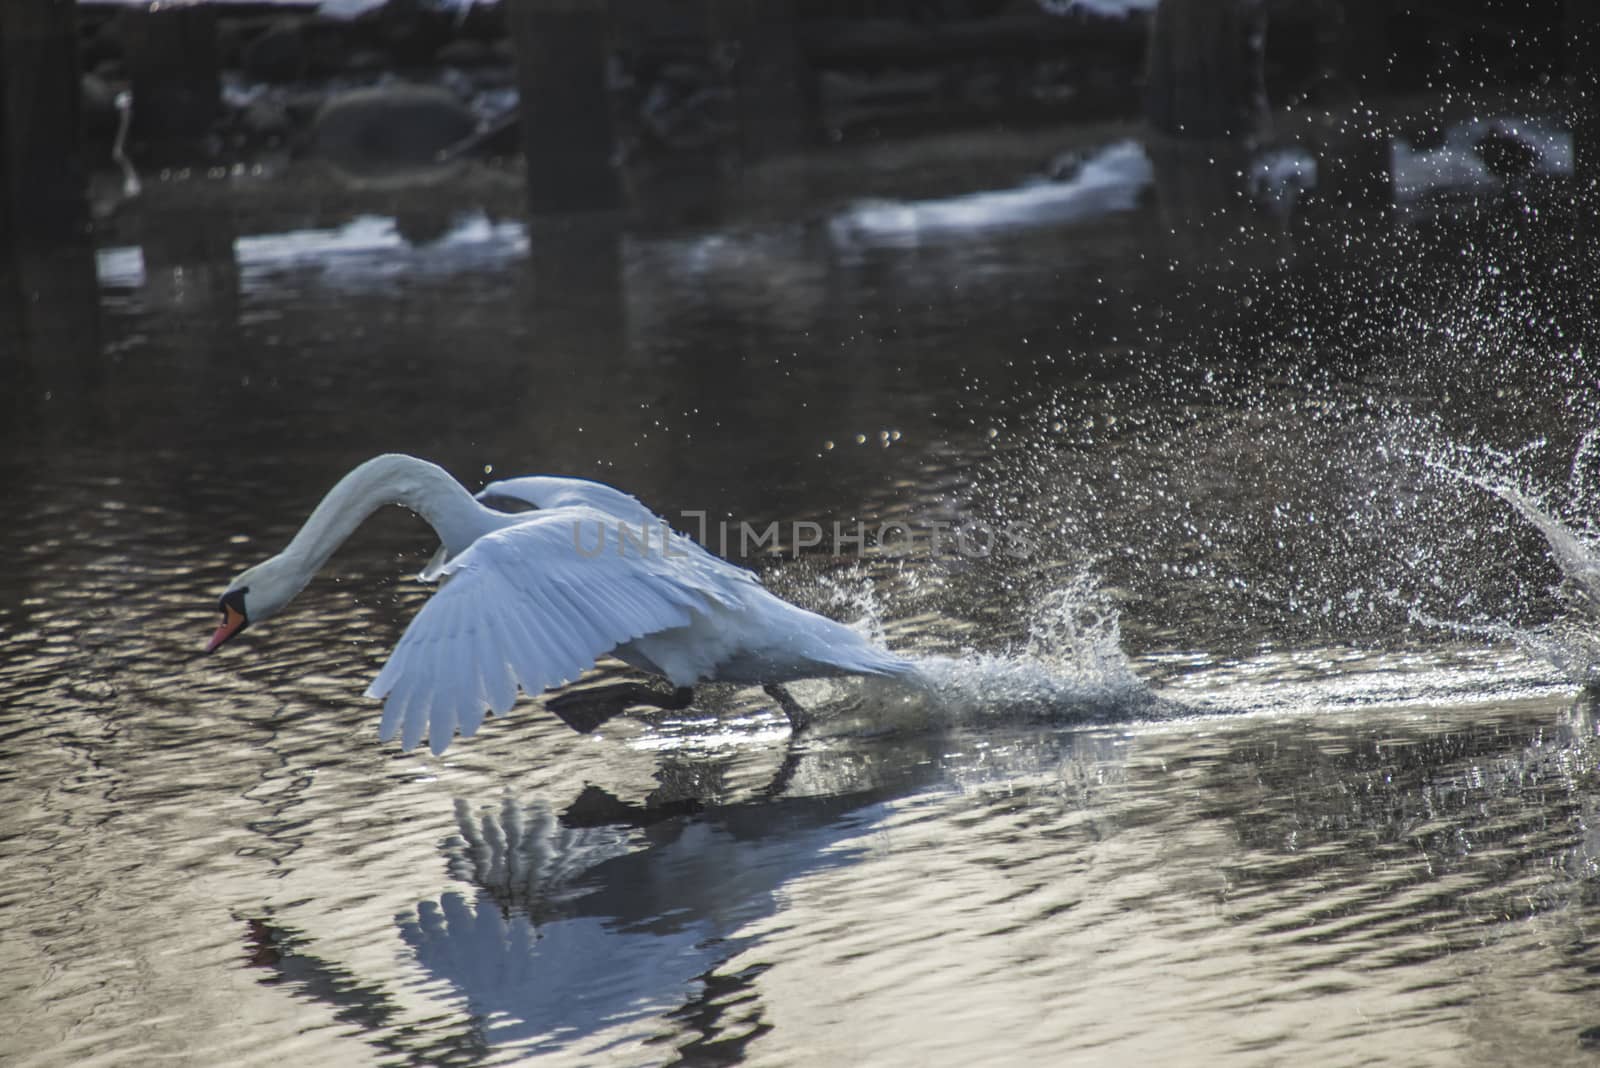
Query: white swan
[[530, 600]]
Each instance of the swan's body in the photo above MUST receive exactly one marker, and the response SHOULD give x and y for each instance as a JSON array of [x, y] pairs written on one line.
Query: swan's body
[[530, 600]]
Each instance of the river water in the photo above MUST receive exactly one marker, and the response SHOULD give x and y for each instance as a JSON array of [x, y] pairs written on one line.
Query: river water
[[1273, 747]]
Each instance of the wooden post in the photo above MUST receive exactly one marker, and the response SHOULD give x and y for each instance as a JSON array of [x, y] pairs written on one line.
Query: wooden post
[[563, 48], [1354, 182], [170, 51], [1204, 68], [8, 199], [49, 294], [191, 272], [777, 92], [574, 295], [53, 308], [41, 166], [1363, 46]]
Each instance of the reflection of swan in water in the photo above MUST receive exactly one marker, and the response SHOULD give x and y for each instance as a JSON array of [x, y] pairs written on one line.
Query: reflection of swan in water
[[525, 858], [531, 600], [615, 912], [595, 937], [619, 918]]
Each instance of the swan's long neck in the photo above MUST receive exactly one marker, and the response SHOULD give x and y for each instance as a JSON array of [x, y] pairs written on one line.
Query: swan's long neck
[[424, 488]]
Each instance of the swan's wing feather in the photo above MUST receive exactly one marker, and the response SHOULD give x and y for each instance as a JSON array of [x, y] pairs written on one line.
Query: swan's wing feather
[[526, 607], [555, 491], [472, 713], [435, 566], [629, 517], [552, 491], [389, 725], [414, 725]]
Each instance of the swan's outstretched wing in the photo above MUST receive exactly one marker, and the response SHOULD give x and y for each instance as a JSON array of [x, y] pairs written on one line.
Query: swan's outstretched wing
[[555, 491], [637, 521], [532, 606]]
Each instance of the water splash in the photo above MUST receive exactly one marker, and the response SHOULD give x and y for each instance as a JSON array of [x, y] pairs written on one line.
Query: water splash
[[1571, 642], [1581, 478], [850, 594], [1070, 668]]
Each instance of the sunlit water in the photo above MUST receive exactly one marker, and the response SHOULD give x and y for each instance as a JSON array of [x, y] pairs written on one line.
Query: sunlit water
[[1273, 749]]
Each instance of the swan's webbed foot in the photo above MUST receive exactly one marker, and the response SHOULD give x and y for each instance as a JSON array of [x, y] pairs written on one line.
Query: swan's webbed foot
[[799, 718], [586, 710]]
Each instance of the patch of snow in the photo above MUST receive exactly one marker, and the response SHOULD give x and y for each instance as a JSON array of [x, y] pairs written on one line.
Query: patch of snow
[[1108, 182], [1111, 9], [1458, 166]]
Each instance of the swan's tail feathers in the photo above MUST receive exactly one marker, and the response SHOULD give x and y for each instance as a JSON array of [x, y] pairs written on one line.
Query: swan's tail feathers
[[874, 660]]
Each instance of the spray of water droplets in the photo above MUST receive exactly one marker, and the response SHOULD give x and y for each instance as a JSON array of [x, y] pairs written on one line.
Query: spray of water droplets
[[1569, 637]]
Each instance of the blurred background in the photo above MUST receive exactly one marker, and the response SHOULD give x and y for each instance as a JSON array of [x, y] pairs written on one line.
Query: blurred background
[[898, 202], [668, 111]]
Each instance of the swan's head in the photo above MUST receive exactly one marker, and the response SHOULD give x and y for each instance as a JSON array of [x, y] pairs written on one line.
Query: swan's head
[[258, 593]]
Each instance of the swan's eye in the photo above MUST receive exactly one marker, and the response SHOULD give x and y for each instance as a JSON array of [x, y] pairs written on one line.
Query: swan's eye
[[234, 599]]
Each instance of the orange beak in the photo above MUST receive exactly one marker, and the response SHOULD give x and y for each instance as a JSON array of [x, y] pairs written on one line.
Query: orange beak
[[233, 622]]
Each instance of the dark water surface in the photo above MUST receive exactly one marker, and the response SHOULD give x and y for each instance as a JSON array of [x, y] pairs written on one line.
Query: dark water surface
[[1254, 757]]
